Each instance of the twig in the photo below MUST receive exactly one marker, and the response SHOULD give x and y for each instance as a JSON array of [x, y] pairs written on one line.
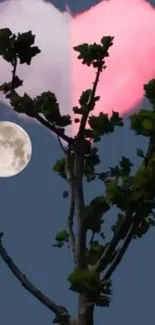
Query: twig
[[65, 317], [90, 245], [70, 220], [119, 255], [92, 238], [61, 145], [53, 128], [91, 102], [14, 64], [100, 265]]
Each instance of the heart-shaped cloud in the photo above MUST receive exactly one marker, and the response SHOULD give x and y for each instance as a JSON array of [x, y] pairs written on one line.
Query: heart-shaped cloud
[[56, 68]]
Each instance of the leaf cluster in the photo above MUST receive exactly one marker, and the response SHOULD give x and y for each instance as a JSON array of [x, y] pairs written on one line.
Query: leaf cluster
[[61, 238], [94, 213], [20, 46], [88, 282], [94, 54]]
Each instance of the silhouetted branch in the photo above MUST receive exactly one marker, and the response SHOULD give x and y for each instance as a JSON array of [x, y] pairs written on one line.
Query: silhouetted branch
[[70, 177], [61, 145], [119, 255], [35, 115], [91, 102], [100, 265], [63, 315], [53, 128], [70, 219]]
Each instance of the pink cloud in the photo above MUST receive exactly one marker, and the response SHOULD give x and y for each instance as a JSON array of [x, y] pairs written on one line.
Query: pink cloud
[[132, 56], [56, 68]]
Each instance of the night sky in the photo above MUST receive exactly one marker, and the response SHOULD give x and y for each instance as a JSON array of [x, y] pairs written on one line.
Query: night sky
[[33, 211]]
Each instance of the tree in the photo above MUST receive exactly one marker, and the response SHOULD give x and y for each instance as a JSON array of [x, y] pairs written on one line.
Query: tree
[[133, 194]]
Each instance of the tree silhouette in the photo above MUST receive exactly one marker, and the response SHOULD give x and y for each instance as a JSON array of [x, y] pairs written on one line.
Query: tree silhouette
[[94, 262]]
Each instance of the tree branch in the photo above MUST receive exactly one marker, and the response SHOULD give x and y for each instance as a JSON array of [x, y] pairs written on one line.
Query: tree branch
[[53, 128], [50, 304], [119, 255], [80, 244], [70, 179], [70, 220], [35, 115], [91, 103], [100, 265], [61, 145]]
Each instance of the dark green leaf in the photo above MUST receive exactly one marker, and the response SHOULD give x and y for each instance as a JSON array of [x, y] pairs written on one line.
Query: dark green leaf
[[84, 281], [100, 124], [143, 122], [125, 165], [65, 194], [62, 236], [59, 167], [140, 153], [95, 211], [24, 49], [149, 91], [142, 229], [116, 120], [85, 96]]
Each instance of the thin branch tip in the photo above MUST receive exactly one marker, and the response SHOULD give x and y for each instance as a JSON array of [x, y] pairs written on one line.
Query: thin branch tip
[[1, 235]]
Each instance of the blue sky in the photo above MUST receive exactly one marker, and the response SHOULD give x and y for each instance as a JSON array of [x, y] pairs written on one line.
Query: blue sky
[[32, 211]]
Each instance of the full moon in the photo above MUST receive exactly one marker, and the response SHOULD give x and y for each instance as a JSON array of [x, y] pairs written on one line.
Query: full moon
[[15, 149]]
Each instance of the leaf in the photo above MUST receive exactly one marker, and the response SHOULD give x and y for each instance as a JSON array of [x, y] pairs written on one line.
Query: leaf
[[7, 40], [84, 281], [125, 165], [28, 105], [142, 229], [5, 34], [140, 153], [93, 54], [91, 160], [149, 91], [77, 110], [65, 194], [147, 124], [59, 167], [112, 190], [85, 96], [102, 301], [47, 104], [116, 120], [94, 212], [100, 124], [62, 236], [115, 171], [95, 252], [143, 122], [24, 49]]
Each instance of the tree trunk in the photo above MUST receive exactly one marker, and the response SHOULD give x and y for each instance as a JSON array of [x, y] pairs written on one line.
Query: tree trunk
[[85, 312]]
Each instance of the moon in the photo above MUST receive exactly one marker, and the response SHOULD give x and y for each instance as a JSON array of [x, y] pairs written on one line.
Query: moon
[[15, 149]]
